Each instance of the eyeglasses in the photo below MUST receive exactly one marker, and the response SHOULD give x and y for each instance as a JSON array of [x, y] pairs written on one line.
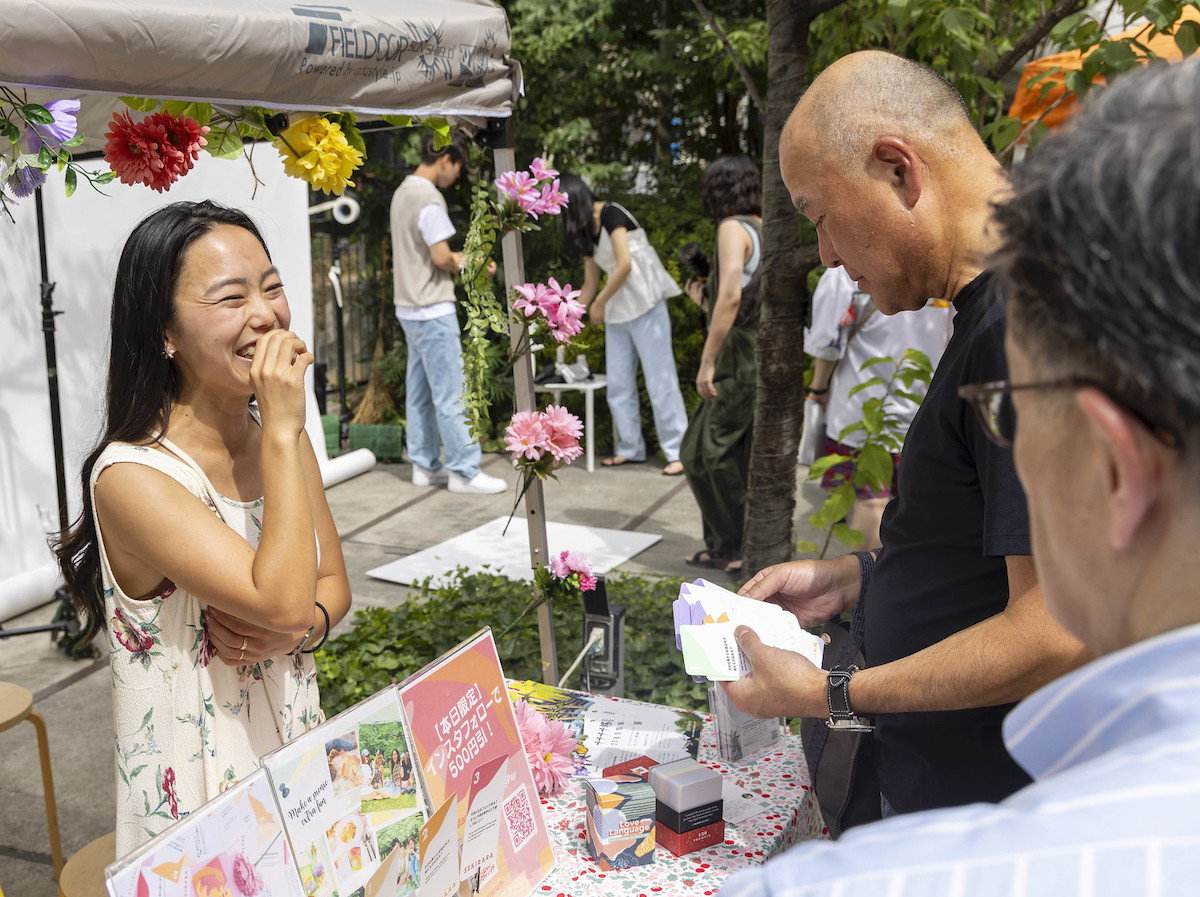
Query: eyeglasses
[[993, 406]]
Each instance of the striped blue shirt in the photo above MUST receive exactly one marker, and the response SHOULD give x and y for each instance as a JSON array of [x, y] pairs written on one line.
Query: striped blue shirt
[[1114, 810]]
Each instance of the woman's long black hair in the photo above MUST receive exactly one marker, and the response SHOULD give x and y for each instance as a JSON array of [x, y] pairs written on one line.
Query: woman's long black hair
[[576, 218], [732, 185], [143, 383]]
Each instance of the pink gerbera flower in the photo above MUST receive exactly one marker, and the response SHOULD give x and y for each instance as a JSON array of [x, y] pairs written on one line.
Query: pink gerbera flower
[[551, 760], [529, 722], [563, 430], [525, 436]]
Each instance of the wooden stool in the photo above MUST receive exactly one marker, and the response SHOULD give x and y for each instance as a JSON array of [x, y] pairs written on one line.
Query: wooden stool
[[83, 876], [16, 704]]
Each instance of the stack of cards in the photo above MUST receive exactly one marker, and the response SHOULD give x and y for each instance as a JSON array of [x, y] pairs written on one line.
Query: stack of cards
[[706, 616]]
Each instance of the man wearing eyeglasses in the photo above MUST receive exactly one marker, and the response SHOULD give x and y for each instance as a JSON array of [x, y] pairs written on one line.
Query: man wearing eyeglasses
[[881, 155], [1103, 408]]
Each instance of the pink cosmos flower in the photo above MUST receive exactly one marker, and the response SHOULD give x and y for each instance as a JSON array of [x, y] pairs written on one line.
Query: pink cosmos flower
[[519, 186], [564, 313], [540, 171], [533, 298], [525, 436], [550, 201]]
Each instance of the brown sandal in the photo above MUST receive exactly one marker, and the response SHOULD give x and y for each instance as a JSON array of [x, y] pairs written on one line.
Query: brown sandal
[[618, 461]]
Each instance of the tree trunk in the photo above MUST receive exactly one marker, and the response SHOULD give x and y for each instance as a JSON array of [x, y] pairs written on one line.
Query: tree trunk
[[779, 407]]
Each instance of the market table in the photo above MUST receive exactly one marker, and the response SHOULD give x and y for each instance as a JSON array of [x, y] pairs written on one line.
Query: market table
[[780, 777]]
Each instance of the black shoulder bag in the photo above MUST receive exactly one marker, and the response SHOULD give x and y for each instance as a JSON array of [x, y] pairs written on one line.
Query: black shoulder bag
[[842, 766]]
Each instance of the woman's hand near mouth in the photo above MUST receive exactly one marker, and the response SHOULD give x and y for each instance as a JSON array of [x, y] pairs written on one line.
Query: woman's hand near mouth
[[277, 376]]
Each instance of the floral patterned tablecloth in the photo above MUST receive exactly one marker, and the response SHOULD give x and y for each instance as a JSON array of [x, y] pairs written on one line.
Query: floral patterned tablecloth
[[780, 777]]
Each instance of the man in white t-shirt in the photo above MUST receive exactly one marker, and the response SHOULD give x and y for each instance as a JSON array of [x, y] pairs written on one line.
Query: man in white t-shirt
[[423, 291], [846, 331]]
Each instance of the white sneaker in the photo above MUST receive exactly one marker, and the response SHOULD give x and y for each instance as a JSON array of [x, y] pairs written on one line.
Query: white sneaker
[[423, 477], [480, 484]]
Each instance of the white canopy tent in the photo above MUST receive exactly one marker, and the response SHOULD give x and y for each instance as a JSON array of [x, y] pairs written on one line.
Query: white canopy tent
[[426, 58]]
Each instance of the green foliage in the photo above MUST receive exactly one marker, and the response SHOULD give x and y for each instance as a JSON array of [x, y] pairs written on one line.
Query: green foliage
[[381, 738], [388, 645], [870, 464], [965, 41]]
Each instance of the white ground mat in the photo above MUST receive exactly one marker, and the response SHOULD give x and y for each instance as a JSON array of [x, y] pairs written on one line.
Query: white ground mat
[[509, 554]]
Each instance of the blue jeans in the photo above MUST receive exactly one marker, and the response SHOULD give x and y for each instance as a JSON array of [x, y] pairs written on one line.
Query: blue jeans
[[646, 339], [433, 400]]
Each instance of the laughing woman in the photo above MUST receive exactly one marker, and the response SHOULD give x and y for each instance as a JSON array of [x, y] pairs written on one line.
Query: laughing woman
[[205, 546]]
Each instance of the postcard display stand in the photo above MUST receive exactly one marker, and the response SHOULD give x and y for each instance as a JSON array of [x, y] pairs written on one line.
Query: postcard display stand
[[423, 786]]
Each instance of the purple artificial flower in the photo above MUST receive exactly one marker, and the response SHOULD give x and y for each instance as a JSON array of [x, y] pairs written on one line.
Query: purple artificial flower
[[23, 179], [59, 131]]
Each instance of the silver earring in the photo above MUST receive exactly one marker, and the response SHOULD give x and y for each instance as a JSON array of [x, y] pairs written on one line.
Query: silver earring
[[169, 352]]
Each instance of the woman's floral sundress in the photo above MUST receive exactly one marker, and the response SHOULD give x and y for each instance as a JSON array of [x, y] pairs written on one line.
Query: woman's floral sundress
[[188, 725]]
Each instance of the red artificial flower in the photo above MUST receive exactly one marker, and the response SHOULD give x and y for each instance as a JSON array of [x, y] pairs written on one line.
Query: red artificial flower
[[156, 151]]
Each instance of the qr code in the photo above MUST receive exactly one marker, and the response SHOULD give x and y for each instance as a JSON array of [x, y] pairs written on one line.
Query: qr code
[[518, 815]]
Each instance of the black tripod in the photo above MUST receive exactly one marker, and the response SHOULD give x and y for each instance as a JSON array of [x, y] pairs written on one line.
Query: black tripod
[[65, 624]]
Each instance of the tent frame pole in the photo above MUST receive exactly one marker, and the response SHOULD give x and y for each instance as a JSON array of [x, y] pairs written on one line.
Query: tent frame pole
[[502, 142]]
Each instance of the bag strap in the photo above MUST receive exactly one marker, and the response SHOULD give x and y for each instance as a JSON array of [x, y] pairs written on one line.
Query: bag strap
[[859, 320], [849, 648]]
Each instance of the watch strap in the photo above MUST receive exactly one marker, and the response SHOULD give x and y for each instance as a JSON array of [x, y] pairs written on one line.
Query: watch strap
[[838, 693], [841, 715]]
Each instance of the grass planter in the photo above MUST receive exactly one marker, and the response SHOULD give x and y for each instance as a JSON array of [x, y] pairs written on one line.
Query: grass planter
[[333, 435], [385, 440]]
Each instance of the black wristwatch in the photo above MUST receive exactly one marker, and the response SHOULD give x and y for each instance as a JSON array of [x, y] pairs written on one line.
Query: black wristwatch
[[842, 717]]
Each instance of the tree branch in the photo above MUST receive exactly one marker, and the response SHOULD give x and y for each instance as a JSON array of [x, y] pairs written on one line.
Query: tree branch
[[712, 23], [1031, 38]]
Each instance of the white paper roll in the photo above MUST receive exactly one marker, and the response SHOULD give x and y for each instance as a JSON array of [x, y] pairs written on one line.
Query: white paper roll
[[343, 467], [27, 590]]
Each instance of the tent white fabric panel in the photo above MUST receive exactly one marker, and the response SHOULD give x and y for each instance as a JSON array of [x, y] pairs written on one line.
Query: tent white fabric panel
[[439, 57], [84, 236]]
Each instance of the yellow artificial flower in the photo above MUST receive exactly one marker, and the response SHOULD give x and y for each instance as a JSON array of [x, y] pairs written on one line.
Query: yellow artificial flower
[[315, 150]]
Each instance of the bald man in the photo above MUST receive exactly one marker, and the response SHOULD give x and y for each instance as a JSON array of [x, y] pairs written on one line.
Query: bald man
[[881, 155]]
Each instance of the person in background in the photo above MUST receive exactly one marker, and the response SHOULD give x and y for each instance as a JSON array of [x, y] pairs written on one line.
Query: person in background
[[205, 546], [716, 447], [423, 291], [1103, 401], [637, 323], [845, 333]]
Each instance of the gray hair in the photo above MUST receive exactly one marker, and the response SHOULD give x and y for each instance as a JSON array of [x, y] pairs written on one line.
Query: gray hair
[[1101, 246], [886, 92]]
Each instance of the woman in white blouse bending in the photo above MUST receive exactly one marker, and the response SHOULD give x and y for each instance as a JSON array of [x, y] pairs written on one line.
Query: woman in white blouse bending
[[636, 321]]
